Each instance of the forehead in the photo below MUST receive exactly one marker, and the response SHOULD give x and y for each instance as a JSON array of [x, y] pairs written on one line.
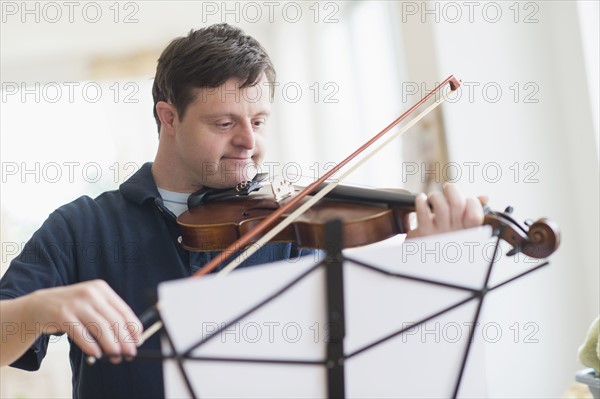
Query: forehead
[[231, 95]]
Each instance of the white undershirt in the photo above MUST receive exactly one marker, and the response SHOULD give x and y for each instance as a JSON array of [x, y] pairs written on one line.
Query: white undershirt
[[174, 201]]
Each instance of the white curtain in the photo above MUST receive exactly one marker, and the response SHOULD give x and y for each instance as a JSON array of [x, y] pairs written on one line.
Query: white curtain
[[339, 84]]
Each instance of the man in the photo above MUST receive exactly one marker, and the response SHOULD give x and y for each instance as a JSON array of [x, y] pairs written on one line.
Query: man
[[211, 103]]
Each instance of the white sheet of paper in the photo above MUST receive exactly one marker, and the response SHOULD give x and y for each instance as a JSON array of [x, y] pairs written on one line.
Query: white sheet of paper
[[423, 362]]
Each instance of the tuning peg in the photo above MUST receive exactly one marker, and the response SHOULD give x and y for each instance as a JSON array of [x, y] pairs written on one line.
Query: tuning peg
[[509, 209], [514, 251]]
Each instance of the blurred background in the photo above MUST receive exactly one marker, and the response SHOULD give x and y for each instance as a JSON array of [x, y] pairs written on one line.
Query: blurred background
[[76, 119]]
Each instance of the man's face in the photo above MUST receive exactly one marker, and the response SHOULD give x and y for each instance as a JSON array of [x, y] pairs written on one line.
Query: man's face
[[221, 138]]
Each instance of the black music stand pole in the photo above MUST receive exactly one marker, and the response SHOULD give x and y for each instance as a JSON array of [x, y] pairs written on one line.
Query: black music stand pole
[[335, 310]]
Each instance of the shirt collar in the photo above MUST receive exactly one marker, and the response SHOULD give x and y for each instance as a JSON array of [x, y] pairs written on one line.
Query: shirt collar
[[140, 187]]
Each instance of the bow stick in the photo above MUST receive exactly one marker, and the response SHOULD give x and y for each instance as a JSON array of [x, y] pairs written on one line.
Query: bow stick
[[262, 226]]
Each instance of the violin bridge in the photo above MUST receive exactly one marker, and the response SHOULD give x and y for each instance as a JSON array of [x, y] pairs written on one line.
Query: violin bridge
[[281, 188]]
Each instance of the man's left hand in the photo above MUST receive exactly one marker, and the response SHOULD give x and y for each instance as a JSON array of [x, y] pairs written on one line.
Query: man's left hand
[[449, 211]]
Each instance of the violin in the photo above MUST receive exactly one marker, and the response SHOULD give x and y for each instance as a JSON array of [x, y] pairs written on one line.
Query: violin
[[367, 215]]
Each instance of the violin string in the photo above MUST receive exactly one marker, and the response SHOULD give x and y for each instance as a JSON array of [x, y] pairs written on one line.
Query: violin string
[[318, 196]]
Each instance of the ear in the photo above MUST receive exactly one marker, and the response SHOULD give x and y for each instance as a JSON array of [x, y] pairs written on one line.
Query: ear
[[167, 114]]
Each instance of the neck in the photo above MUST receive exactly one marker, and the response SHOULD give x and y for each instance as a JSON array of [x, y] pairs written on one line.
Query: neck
[[169, 174]]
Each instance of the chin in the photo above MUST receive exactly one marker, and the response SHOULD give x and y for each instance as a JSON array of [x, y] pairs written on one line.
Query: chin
[[226, 180]]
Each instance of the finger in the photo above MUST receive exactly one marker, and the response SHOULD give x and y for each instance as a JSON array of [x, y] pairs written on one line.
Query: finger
[[457, 205], [424, 215], [103, 320], [118, 325], [406, 222], [483, 199], [441, 212], [473, 213], [75, 330], [100, 330], [132, 322]]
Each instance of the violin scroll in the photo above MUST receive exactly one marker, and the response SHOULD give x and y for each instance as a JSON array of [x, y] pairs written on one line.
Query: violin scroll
[[537, 240], [544, 238]]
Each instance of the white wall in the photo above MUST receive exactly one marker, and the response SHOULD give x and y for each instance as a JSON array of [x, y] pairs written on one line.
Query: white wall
[[556, 135]]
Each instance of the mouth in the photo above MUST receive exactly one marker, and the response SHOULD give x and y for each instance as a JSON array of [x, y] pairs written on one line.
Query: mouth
[[238, 162]]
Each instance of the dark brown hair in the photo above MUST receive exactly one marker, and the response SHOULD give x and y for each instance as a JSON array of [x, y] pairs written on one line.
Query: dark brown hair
[[207, 58]]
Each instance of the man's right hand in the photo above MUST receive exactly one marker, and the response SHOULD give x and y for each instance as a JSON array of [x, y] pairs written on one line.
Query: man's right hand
[[91, 313]]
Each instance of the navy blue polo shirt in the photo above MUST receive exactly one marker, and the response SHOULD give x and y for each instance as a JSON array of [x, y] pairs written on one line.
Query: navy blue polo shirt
[[128, 238]]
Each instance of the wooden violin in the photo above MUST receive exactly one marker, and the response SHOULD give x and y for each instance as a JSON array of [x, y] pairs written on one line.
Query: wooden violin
[[368, 216]]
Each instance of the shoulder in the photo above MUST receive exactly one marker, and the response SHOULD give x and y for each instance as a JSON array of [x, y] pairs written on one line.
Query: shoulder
[[133, 194], [86, 206]]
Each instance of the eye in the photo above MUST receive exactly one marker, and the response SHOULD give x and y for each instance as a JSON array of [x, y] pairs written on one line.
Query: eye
[[259, 123], [224, 124]]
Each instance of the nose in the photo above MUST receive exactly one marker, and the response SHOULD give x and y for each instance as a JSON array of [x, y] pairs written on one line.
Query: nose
[[244, 136]]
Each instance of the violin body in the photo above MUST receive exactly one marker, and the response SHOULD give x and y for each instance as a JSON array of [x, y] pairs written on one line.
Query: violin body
[[214, 226]]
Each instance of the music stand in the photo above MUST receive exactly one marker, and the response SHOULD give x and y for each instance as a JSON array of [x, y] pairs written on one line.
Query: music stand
[[335, 327]]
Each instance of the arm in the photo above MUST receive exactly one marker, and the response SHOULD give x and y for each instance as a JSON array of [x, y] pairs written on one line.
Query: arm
[[85, 311], [14, 320]]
